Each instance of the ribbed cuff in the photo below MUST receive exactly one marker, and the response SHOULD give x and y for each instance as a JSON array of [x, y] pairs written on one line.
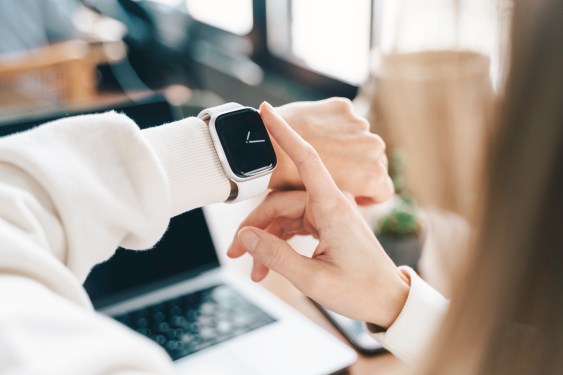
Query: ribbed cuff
[[194, 172], [417, 322]]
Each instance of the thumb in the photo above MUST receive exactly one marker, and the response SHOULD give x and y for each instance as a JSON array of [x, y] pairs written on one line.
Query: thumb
[[274, 253]]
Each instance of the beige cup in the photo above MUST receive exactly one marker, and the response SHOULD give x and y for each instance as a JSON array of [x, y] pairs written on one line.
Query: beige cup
[[436, 106], [430, 95]]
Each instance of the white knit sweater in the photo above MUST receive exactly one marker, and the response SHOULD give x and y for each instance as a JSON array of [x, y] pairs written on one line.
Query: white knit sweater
[[73, 191]]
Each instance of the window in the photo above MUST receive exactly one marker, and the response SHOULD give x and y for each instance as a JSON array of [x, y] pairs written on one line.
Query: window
[[313, 45], [234, 16], [332, 38]]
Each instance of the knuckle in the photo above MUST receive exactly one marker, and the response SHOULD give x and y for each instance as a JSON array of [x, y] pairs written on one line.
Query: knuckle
[[370, 175], [363, 123], [342, 103], [377, 142], [277, 204], [374, 177], [309, 155], [273, 195], [281, 204], [384, 162], [277, 257], [379, 187], [270, 200]]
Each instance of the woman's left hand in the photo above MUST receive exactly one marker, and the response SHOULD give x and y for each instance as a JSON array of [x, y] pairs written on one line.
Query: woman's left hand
[[354, 157]]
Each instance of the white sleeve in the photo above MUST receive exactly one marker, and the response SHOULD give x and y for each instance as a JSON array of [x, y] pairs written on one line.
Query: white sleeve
[[415, 326], [71, 192]]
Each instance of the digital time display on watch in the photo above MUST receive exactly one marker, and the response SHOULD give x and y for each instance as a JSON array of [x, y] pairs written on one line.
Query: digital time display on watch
[[246, 142]]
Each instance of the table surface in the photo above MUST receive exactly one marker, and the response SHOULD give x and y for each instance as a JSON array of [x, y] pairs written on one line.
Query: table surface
[[378, 364], [223, 222]]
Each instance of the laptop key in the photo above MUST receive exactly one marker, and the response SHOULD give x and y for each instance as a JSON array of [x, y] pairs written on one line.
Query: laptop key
[[178, 321], [142, 323], [192, 314], [196, 321], [160, 339]]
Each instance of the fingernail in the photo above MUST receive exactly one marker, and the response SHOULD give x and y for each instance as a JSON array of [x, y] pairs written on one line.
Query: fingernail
[[249, 240], [268, 105], [229, 250]]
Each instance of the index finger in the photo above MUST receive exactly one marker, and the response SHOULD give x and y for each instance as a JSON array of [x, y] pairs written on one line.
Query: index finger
[[315, 176], [287, 204]]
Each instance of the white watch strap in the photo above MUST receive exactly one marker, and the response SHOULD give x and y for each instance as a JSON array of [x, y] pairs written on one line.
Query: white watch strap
[[246, 189], [251, 188], [207, 113]]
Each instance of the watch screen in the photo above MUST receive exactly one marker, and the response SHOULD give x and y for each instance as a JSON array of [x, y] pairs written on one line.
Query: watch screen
[[246, 142]]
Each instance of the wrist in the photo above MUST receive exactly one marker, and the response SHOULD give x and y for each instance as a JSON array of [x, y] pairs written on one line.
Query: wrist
[[395, 299]]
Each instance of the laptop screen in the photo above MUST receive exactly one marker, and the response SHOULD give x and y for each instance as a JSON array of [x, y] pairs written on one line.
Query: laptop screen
[[185, 250]]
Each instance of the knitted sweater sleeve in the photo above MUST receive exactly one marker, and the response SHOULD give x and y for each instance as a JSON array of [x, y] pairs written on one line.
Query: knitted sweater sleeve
[[71, 192], [416, 324]]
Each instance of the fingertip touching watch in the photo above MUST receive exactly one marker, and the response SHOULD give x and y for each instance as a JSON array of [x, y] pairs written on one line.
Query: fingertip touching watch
[[243, 146]]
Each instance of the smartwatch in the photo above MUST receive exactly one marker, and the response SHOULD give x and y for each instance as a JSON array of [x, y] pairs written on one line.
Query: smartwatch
[[243, 146]]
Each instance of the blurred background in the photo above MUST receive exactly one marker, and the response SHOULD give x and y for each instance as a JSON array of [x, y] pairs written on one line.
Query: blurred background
[[60, 52], [55, 52], [425, 73]]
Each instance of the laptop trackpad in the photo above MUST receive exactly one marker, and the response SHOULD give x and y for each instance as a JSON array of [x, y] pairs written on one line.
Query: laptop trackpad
[[212, 362]]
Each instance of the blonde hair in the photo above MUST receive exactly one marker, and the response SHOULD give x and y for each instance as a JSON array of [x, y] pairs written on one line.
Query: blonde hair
[[506, 316]]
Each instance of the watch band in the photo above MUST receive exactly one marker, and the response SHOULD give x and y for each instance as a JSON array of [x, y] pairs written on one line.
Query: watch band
[[249, 188], [207, 113], [239, 190]]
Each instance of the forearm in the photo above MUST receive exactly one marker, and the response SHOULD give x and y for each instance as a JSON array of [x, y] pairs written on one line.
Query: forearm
[[71, 192], [93, 183]]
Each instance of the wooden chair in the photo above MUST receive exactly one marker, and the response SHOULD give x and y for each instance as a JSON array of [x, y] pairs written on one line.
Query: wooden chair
[[55, 75]]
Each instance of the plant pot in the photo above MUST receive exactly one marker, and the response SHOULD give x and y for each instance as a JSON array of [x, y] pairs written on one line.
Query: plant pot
[[403, 250]]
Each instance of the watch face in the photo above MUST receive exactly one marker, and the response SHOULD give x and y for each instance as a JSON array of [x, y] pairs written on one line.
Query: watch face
[[246, 142]]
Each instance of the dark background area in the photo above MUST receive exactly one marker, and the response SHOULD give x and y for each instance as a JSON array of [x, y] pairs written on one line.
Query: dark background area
[[167, 46]]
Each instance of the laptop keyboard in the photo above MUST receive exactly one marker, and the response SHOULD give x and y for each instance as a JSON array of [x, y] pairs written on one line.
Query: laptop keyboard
[[193, 322]]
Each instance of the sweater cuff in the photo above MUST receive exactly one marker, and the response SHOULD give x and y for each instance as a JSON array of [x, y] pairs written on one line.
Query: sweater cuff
[[187, 154], [417, 322]]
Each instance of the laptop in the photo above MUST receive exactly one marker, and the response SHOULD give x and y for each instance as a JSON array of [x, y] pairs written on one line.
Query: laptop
[[210, 320]]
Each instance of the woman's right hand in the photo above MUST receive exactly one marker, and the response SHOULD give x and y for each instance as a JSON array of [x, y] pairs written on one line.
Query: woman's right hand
[[349, 272]]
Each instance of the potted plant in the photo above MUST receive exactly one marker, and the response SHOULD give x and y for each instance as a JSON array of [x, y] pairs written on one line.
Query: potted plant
[[400, 231]]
